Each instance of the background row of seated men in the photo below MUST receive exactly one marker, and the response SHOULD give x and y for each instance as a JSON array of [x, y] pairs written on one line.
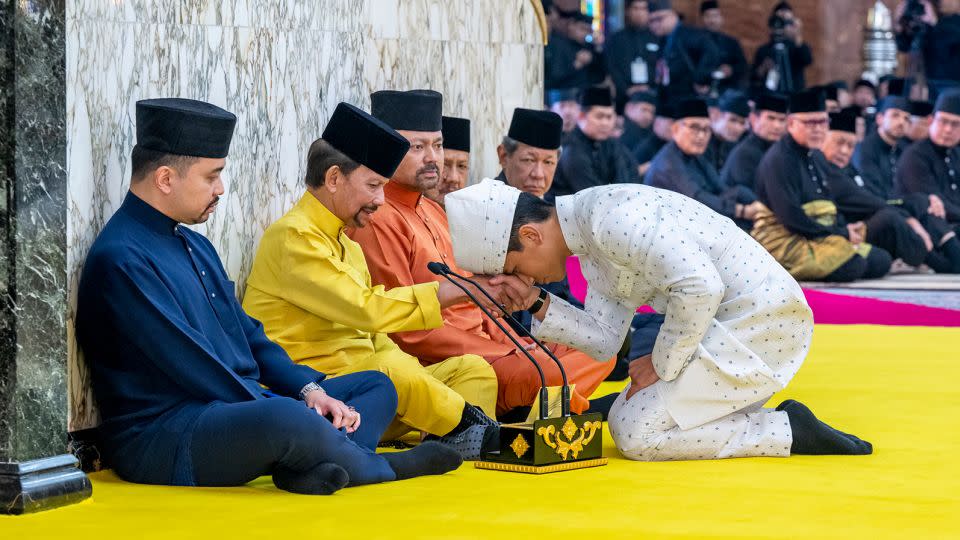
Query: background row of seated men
[[816, 226]]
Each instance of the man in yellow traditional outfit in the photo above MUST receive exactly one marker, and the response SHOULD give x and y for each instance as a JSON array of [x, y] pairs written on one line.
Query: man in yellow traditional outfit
[[311, 289]]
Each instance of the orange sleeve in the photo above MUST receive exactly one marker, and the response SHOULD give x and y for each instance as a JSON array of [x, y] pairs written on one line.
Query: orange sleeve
[[389, 247]]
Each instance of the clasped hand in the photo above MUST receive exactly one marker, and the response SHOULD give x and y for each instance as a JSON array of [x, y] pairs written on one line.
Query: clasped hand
[[341, 415], [514, 293]]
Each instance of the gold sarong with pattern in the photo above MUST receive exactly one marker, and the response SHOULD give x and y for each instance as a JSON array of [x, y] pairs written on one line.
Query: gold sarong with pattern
[[806, 258]]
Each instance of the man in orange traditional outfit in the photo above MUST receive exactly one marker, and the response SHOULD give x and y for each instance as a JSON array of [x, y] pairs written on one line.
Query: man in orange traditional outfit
[[410, 231]]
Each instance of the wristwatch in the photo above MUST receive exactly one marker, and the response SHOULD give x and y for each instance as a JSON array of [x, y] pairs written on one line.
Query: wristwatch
[[310, 387], [541, 298]]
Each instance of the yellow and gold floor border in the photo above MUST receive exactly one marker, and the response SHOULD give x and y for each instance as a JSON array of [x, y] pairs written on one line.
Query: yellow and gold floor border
[[542, 469]]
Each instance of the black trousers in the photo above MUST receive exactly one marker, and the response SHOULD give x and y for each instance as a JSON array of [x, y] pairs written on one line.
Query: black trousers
[[875, 265], [234, 443], [888, 229]]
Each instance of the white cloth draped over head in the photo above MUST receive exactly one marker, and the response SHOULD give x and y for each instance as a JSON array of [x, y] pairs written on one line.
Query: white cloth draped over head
[[480, 218]]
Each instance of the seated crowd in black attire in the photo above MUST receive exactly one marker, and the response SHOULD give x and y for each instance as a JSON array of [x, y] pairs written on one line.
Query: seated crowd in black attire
[[836, 181]]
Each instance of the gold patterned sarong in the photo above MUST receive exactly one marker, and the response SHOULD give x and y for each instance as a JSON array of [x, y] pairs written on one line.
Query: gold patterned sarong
[[806, 258]]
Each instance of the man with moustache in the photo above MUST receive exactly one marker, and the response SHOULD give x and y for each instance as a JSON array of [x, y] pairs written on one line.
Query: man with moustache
[[680, 166], [531, 150], [191, 391], [932, 166], [311, 288], [411, 231], [768, 123], [801, 226], [456, 159], [902, 227]]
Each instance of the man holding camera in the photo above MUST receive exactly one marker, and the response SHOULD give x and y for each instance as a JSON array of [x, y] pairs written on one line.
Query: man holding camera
[[932, 38], [778, 66]]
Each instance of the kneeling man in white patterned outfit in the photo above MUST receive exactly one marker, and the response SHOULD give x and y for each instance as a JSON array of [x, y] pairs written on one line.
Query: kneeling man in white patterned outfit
[[737, 325]]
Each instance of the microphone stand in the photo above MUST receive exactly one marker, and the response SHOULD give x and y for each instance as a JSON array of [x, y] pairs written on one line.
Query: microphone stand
[[548, 444], [443, 270], [565, 390]]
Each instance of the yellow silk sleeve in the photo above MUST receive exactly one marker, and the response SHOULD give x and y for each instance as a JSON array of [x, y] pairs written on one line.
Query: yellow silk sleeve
[[317, 281]]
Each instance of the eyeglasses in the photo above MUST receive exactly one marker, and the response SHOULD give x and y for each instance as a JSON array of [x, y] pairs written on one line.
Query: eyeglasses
[[815, 123], [697, 129]]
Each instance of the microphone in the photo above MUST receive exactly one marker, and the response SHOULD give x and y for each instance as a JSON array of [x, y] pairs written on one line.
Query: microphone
[[565, 389], [443, 270]]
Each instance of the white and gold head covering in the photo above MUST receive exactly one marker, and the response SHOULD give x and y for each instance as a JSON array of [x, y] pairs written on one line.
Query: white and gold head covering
[[480, 218]]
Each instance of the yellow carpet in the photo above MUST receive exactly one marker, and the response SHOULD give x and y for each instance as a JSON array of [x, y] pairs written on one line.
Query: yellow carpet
[[896, 387]]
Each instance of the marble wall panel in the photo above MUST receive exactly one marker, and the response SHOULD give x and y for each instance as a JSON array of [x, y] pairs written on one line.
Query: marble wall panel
[[33, 274], [281, 66]]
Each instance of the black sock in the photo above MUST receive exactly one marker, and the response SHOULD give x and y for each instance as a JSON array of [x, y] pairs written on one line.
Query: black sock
[[951, 249], [939, 263], [324, 479], [602, 405], [428, 458], [813, 437]]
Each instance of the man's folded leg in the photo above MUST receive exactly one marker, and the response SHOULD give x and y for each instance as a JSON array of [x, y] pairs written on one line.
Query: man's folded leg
[[234, 443], [471, 377], [424, 402]]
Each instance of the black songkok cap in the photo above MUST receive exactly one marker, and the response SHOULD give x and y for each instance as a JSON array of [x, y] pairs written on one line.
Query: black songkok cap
[[921, 108], [413, 110], [596, 96], [708, 5], [845, 121], [184, 127], [456, 133], [830, 92], [666, 108], [540, 129], [643, 96], [692, 108], [840, 85], [772, 102], [868, 84], [894, 102], [365, 139], [659, 5], [896, 86], [736, 103], [949, 102], [561, 94], [807, 101]]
